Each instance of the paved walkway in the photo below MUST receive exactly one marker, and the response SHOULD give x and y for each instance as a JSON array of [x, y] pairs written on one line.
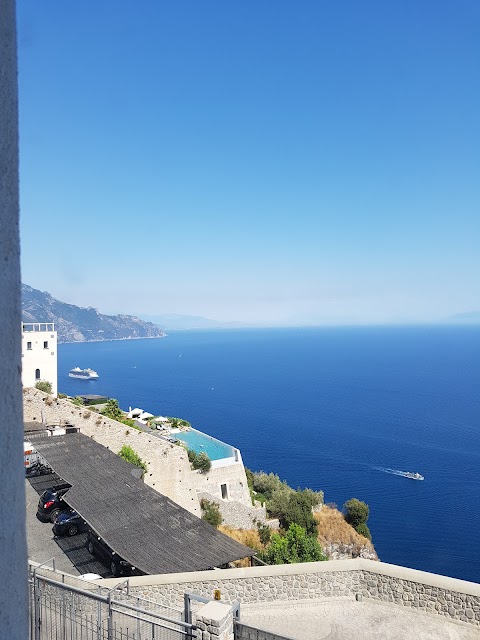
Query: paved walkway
[[347, 619]]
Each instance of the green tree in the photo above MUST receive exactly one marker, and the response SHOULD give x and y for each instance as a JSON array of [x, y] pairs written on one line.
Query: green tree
[[267, 483], [356, 512], [313, 497], [78, 401], [211, 512], [112, 410], [363, 530], [277, 504], [131, 456], [44, 385], [299, 511], [292, 547], [202, 462]]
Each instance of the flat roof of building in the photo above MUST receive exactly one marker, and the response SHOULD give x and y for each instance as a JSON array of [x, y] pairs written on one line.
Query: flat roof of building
[[141, 525]]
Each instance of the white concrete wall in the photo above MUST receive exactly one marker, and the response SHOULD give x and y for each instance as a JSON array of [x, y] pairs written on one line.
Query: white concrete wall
[[36, 356], [13, 544], [233, 476]]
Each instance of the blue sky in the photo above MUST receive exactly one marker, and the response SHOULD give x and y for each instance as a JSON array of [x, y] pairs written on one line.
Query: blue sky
[[278, 162]]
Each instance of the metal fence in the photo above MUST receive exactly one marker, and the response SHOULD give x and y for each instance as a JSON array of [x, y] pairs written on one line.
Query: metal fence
[[246, 632], [62, 610]]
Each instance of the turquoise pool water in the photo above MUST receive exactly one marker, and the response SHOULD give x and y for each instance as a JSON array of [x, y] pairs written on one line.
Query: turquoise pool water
[[198, 441]]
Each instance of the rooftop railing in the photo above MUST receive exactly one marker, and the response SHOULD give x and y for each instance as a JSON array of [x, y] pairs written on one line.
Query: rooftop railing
[[38, 326]]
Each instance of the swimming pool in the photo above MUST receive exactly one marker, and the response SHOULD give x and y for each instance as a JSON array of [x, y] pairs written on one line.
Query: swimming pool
[[198, 441]]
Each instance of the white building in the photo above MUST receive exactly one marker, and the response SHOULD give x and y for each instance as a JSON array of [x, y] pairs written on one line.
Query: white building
[[39, 354]]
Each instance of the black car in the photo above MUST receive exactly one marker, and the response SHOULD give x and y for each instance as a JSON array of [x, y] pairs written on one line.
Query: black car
[[69, 523], [100, 549], [51, 503]]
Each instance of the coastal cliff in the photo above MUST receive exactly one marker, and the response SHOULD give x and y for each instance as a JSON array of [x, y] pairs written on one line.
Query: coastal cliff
[[338, 539], [79, 324]]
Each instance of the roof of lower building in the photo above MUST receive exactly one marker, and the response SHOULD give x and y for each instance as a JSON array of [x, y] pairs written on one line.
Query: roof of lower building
[[141, 525]]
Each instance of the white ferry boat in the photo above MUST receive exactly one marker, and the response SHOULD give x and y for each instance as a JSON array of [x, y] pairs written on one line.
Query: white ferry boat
[[84, 374]]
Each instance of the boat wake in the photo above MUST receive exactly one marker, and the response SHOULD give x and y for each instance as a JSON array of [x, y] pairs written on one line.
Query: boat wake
[[398, 472]]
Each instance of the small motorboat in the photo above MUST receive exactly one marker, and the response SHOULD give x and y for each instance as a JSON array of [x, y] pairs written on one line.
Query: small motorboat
[[414, 476]]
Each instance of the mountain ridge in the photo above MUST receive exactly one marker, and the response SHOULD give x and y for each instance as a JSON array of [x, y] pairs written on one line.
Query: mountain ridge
[[82, 324]]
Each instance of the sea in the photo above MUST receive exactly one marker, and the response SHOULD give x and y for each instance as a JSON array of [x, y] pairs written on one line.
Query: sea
[[344, 410]]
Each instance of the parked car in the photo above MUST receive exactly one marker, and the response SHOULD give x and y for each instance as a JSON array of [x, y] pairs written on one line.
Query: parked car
[[69, 523], [100, 549], [51, 503]]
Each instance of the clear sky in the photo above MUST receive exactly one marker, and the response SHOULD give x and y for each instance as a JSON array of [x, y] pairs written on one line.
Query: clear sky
[[279, 162]]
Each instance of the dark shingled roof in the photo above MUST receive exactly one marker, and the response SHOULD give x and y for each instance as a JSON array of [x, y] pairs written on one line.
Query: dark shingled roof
[[147, 529]]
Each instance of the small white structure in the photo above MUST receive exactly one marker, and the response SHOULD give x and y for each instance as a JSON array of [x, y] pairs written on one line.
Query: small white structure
[[39, 354], [139, 416]]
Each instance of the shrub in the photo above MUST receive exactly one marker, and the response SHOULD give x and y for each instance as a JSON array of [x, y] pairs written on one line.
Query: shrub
[[278, 503], [363, 530], [267, 483], [43, 385], [299, 511], [112, 410], [356, 512], [292, 547], [61, 395], [78, 401], [264, 533], [211, 512], [87, 414], [192, 456], [131, 456], [314, 498], [202, 462]]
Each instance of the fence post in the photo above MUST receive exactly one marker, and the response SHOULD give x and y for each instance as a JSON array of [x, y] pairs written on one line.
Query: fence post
[[187, 608], [110, 616], [37, 607], [99, 620]]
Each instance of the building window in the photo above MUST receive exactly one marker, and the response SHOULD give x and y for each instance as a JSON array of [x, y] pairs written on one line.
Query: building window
[[223, 487], [29, 346], [45, 344], [37, 374]]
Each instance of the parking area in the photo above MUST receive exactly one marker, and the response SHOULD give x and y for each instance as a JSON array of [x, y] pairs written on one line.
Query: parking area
[[70, 553]]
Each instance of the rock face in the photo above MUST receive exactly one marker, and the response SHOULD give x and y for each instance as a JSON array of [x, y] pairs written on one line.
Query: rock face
[[338, 539], [79, 324]]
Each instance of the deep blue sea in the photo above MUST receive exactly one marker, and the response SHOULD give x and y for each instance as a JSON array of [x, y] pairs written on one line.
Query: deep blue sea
[[332, 409]]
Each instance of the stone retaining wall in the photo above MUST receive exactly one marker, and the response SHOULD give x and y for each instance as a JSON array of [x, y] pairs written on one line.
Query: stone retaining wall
[[236, 514], [359, 578]]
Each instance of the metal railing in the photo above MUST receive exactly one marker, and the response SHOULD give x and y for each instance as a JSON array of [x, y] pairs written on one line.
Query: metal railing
[[62, 610], [27, 327]]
